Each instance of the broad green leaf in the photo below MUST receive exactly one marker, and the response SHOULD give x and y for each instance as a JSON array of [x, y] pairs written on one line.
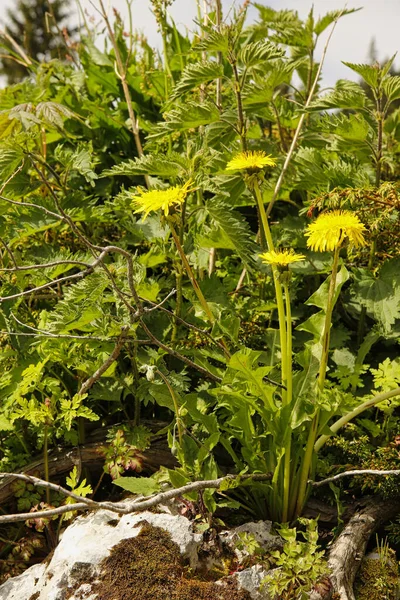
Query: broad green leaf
[[380, 295], [144, 486], [320, 297]]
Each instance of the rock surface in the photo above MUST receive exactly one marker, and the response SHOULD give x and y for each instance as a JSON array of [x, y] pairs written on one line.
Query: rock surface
[[75, 566], [259, 530], [251, 580], [85, 544]]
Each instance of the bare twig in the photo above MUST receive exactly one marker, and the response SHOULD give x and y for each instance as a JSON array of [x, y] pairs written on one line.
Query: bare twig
[[11, 255], [7, 181], [106, 364], [49, 265], [156, 306], [121, 73], [181, 357], [62, 336], [353, 473], [17, 48], [119, 507], [32, 205]]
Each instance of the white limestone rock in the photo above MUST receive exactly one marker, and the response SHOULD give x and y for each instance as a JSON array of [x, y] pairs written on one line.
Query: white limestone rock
[[84, 544]]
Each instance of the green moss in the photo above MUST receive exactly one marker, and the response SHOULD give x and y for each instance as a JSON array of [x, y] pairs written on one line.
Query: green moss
[[150, 567], [378, 579]]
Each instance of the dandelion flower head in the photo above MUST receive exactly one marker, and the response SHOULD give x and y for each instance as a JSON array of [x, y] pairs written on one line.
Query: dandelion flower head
[[250, 161], [281, 258], [330, 230], [147, 201]]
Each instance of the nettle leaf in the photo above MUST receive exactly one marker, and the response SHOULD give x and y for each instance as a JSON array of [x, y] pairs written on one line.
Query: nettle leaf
[[11, 158], [215, 41], [391, 87], [80, 159], [81, 305], [369, 73], [381, 294], [171, 165], [189, 116], [330, 18], [53, 114], [347, 94], [138, 485], [258, 52], [235, 228], [195, 75], [351, 127]]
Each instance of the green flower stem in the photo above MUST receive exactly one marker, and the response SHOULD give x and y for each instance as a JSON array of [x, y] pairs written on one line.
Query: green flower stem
[[309, 452], [193, 281], [263, 214], [46, 460], [278, 289], [354, 413], [289, 350], [176, 405], [190, 274], [289, 394], [328, 321]]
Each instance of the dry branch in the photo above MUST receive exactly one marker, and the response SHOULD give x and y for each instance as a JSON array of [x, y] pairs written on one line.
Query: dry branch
[[124, 508], [349, 548]]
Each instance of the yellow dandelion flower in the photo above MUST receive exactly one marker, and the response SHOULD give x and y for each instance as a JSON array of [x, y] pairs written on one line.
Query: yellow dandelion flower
[[331, 229], [281, 258], [250, 161], [148, 201]]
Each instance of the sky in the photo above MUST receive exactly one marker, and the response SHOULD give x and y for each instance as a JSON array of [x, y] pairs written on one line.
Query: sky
[[378, 19]]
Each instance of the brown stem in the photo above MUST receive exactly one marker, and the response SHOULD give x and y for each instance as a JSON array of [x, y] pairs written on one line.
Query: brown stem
[[122, 75]]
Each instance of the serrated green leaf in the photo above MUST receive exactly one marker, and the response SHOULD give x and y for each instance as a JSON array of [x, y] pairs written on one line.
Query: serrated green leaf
[[258, 52], [330, 18], [235, 228], [195, 75]]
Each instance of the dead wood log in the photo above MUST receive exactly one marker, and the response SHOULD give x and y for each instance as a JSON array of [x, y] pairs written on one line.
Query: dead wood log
[[349, 548], [91, 455]]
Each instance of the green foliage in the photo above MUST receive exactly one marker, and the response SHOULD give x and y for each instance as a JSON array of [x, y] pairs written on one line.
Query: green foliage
[[300, 567], [96, 298]]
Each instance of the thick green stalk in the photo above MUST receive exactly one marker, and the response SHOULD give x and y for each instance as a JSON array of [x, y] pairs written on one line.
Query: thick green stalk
[[176, 405], [278, 289], [288, 443], [354, 413], [328, 320], [309, 452]]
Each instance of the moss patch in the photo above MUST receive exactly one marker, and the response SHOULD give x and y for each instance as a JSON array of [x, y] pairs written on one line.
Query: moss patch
[[377, 579], [150, 567]]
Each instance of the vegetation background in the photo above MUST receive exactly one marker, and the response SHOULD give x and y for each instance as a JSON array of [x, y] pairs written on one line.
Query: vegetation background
[[160, 275]]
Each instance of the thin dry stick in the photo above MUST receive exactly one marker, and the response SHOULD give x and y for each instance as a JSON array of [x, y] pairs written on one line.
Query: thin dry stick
[[295, 137], [17, 48], [354, 473], [119, 507], [7, 181], [121, 73], [106, 364], [49, 265]]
